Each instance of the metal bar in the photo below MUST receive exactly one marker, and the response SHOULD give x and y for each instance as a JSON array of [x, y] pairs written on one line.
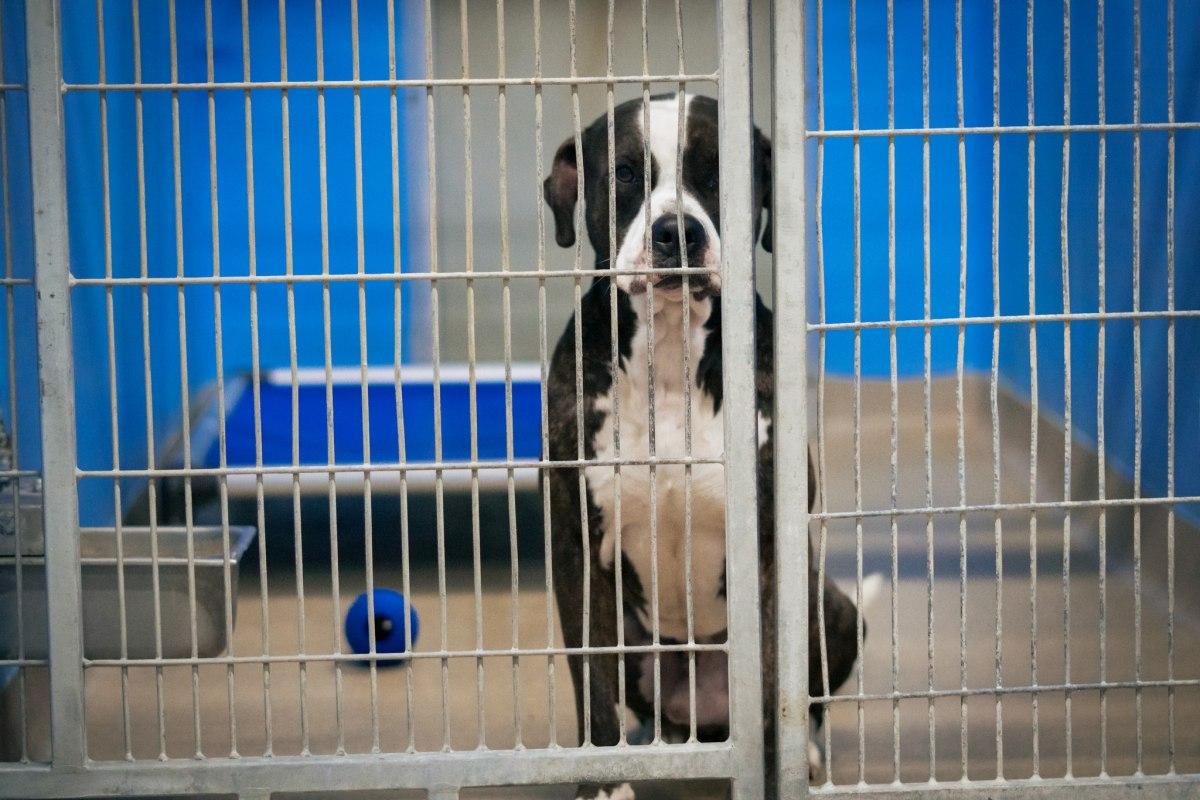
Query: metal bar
[[110, 341], [857, 401], [1068, 433], [1031, 218], [1151, 788], [256, 388], [789, 430], [959, 400], [1136, 296], [397, 358], [52, 261], [1101, 303], [1009, 319], [1171, 743], [997, 524], [894, 390], [415, 771], [1031, 689], [327, 342], [364, 405], [741, 436], [288, 260], [996, 129], [353, 277], [428, 83], [506, 312], [927, 388], [544, 366]]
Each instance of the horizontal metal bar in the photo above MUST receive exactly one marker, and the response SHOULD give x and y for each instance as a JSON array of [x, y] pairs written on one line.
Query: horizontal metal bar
[[1145, 787], [993, 130], [23, 662], [990, 691], [16, 281], [391, 277], [12, 87], [388, 83], [501, 652], [1049, 505], [428, 466], [1004, 319], [367, 772]]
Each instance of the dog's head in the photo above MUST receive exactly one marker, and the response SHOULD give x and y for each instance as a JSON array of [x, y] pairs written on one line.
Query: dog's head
[[665, 215]]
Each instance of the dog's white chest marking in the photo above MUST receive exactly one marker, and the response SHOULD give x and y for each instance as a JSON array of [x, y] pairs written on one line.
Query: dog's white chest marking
[[626, 497]]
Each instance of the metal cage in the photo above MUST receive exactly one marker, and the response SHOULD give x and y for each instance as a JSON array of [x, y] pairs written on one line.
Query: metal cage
[[224, 231]]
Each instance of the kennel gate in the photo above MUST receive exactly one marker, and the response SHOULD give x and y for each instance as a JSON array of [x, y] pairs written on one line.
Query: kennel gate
[[70, 771]]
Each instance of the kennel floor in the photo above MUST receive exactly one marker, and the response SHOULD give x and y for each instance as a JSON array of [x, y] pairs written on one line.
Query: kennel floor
[[486, 699]]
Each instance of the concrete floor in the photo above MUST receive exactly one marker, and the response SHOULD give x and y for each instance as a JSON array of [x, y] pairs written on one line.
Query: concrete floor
[[485, 703]]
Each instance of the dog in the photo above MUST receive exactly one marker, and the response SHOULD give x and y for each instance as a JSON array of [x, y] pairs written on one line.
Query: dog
[[614, 409]]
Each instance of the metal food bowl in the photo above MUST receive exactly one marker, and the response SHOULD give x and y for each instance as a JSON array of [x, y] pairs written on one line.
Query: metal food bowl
[[179, 578]]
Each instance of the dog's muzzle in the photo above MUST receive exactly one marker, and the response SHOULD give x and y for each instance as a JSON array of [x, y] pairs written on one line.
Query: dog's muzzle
[[671, 237]]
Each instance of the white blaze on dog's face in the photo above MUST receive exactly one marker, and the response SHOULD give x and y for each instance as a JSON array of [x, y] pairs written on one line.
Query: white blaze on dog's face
[[673, 225], [653, 239]]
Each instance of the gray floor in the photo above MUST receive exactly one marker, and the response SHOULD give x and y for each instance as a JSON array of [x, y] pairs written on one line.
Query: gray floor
[[486, 702]]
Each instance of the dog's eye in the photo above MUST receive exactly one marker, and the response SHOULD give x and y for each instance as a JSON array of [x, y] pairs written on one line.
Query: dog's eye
[[712, 184], [625, 173]]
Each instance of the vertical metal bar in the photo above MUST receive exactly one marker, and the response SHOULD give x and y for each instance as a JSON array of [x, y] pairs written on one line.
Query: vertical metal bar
[[819, 235], [686, 325], [256, 386], [1031, 186], [1068, 435], [219, 363], [185, 400], [997, 525], [927, 385], [148, 380], [585, 537], [615, 355], [110, 341], [327, 336], [293, 364], [739, 357], [439, 488], [790, 425], [959, 399], [472, 393], [893, 386], [506, 311], [1101, 468], [857, 402], [397, 357], [52, 262], [651, 375], [364, 389], [544, 368], [1171, 744], [1136, 259]]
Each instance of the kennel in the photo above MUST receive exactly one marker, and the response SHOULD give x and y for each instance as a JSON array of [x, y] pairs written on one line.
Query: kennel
[[293, 346]]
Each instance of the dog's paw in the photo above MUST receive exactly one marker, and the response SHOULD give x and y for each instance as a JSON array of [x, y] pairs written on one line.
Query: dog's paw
[[815, 761], [610, 791]]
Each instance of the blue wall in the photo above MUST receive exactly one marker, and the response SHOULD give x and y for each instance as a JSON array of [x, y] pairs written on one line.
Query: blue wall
[[198, 254], [1013, 241]]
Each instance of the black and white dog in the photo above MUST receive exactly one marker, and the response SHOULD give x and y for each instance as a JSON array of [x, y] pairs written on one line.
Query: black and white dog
[[624, 395]]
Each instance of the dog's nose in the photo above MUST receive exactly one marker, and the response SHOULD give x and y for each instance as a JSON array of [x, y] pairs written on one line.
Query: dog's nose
[[664, 235]]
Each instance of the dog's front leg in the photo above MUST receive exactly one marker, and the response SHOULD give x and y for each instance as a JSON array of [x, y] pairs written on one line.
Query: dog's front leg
[[596, 695]]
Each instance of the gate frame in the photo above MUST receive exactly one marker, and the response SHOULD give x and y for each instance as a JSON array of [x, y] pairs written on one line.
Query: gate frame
[[443, 774]]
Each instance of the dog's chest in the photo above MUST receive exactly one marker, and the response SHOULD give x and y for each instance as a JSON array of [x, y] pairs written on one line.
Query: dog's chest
[[666, 510]]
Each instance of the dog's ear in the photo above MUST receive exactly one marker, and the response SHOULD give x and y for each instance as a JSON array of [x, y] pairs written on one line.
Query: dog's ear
[[762, 146], [561, 190]]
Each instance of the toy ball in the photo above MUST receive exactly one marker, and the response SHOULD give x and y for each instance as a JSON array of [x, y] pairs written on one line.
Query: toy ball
[[393, 615]]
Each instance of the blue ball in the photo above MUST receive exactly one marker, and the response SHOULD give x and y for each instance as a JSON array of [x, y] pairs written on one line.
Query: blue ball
[[393, 615]]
